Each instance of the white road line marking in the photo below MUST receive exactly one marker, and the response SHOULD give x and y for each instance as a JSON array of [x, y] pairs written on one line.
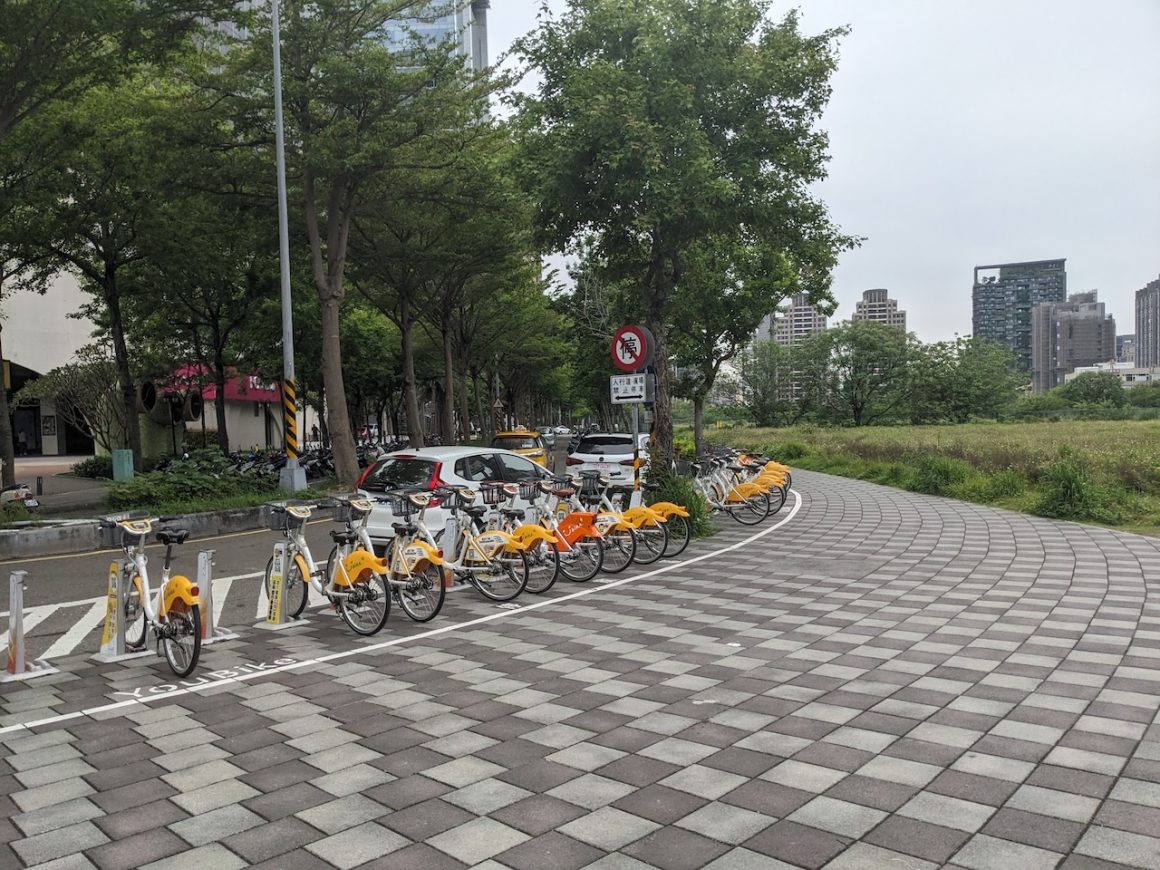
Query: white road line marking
[[221, 588], [33, 616], [69, 641], [361, 650]]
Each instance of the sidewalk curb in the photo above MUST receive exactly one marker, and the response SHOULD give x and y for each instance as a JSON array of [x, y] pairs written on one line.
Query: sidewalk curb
[[82, 537]]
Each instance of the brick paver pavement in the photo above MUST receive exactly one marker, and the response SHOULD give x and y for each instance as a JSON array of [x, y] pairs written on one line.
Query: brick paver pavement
[[887, 680]]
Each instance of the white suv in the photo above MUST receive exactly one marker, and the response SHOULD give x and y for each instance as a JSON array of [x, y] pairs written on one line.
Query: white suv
[[430, 468], [608, 453]]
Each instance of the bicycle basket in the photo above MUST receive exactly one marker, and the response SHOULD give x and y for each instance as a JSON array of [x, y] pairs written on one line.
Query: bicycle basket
[[590, 484], [491, 492], [530, 489], [111, 536], [277, 521], [401, 506], [343, 512]]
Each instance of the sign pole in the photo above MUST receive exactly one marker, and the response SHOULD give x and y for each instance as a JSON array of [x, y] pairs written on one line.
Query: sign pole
[[635, 501]]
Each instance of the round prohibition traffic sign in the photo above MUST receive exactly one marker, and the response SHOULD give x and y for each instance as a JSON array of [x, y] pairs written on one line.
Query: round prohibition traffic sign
[[632, 348]]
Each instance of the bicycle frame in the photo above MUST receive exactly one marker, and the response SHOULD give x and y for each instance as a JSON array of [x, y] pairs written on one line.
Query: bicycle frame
[[172, 588]]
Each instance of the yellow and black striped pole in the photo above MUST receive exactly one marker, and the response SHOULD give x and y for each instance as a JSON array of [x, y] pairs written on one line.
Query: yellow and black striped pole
[[290, 418]]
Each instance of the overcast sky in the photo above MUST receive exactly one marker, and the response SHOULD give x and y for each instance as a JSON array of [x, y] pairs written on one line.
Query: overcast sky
[[972, 132]]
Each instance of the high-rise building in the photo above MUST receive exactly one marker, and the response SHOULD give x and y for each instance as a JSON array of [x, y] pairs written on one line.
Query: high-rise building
[[1004, 294], [1068, 335], [464, 21], [1126, 348], [797, 321], [1148, 325], [877, 306]]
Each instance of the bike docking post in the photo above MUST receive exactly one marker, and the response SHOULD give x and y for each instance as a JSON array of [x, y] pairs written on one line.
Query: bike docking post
[[450, 539], [113, 646], [19, 667], [210, 633], [276, 612]]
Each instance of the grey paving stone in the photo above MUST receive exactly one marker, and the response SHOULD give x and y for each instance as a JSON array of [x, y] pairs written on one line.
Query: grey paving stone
[[1120, 847], [358, 845], [132, 852], [58, 792], [839, 817], [726, 823], [989, 853], [341, 814], [59, 842], [214, 855], [591, 791], [478, 840], [463, 771], [608, 829], [216, 824], [56, 816]]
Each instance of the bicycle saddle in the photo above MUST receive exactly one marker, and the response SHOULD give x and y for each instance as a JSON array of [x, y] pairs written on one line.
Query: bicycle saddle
[[172, 536], [404, 528], [341, 537], [475, 510], [736, 468], [512, 512], [565, 492]]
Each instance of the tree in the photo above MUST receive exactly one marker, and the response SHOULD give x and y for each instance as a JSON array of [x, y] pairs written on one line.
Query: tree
[[1094, 389], [661, 123], [353, 104], [85, 395], [866, 363], [730, 283]]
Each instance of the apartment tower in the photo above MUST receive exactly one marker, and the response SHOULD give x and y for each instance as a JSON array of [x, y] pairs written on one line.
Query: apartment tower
[[877, 306], [1148, 325], [1069, 335], [1004, 296]]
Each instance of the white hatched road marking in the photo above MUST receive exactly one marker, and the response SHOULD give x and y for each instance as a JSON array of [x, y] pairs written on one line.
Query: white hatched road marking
[[94, 617]]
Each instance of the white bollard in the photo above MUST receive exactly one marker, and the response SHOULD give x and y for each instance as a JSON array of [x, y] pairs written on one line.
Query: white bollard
[[19, 668], [210, 632]]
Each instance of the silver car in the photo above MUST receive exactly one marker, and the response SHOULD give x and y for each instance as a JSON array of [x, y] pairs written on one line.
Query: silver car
[[430, 468]]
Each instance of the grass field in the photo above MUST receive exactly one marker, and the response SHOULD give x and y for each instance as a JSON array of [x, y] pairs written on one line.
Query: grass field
[[1097, 471]]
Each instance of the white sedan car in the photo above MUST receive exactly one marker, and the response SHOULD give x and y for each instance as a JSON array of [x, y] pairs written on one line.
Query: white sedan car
[[430, 468], [608, 453]]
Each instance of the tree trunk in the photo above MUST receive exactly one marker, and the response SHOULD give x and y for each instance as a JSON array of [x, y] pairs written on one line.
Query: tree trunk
[[7, 450], [219, 379], [661, 453], [464, 412], [448, 386], [342, 439], [698, 424], [410, 391], [124, 375], [480, 405]]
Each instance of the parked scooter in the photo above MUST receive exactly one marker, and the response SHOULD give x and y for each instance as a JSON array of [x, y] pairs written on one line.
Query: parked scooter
[[19, 493]]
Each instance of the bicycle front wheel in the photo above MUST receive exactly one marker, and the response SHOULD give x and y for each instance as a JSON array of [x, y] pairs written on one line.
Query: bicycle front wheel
[[619, 550], [679, 531], [543, 568], [583, 560], [133, 612], [181, 637], [751, 511], [777, 497], [502, 578], [366, 604], [295, 589], [422, 597], [651, 540]]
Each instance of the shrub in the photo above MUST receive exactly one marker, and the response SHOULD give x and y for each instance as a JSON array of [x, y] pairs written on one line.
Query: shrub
[[679, 490], [1004, 484], [788, 451], [94, 467], [1069, 492], [937, 475], [200, 477]]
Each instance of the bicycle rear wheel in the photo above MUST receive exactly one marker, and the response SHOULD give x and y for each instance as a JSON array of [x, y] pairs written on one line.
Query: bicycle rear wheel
[[366, 604], [651, 540], [422, 596], [583, 560], [181, 637], [295, 589], [619, 549], [543, 568], [777, 497], [679, 533], [503, 578], [751, 511]]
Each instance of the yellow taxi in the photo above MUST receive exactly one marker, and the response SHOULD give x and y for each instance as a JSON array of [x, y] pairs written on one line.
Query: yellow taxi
[[523, 442]]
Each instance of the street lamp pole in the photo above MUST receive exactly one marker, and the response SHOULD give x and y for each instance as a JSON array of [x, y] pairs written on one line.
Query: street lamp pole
[[292, 477]]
